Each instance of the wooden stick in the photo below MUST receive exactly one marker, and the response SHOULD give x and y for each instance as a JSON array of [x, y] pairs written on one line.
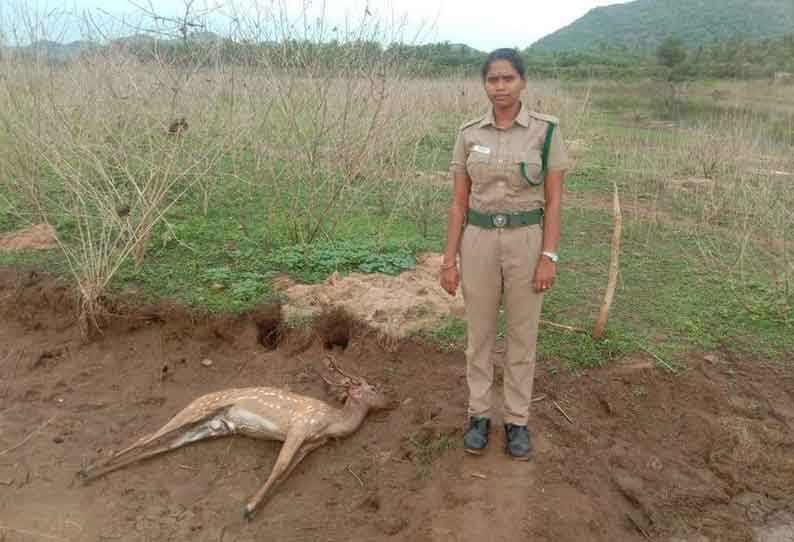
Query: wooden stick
[[659, 359], [561, 326], [614, 261], [355, 475], [539, 398], [556, 404], [638, 527], [27, 438], [31, 533]]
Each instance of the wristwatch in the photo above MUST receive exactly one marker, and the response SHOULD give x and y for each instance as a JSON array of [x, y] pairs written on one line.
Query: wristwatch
[[553, 256]]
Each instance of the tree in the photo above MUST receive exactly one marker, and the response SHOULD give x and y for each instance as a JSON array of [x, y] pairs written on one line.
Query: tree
[[671, 52]]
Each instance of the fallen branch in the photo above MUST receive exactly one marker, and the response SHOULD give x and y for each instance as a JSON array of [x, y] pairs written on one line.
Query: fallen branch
[[598, 330], [27, 438]]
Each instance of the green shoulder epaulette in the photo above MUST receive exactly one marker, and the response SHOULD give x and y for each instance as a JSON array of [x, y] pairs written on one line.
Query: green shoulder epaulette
[[544, 155]]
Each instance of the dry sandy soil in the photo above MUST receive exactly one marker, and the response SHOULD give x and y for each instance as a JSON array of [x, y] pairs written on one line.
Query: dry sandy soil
[[707, 455]]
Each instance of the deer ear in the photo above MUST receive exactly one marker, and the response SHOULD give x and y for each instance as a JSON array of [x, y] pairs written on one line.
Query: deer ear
[[341, 395]]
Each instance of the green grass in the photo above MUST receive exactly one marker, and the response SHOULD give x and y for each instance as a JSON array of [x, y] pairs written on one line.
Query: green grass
[[669, 300], [673, 297]]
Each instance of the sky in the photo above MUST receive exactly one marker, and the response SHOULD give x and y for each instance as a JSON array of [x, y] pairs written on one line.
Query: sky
[[482, 24]]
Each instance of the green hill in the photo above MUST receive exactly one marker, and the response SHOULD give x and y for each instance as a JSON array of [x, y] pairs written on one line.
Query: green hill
[[643, 24]]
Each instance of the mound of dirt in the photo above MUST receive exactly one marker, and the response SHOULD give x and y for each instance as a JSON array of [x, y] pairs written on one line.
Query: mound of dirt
[[397, 306], [36, 237], [623, 453]]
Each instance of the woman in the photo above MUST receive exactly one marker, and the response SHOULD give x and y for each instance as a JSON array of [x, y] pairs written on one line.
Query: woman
[[508, 167]]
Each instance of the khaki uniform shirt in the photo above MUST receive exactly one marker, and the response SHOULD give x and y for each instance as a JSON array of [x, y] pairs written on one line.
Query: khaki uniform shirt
[[491, 157]]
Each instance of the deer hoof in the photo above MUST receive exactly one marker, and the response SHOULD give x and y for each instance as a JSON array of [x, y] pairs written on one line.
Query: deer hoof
[[248, 512]]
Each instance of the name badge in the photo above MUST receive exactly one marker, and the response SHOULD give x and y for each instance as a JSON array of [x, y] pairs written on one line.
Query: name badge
[[480, 148]]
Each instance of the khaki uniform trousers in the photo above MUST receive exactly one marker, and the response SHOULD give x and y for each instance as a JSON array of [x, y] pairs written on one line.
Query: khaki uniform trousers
[[498, 265]]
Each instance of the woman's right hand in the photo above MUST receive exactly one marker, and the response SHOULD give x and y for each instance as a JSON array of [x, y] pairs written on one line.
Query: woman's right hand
[[450, 279]]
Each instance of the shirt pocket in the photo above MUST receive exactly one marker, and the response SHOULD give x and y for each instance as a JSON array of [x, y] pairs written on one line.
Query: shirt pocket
[[527, 165], [477, 166]]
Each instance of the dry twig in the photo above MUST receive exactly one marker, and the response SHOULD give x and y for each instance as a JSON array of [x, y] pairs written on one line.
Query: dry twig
[[638, 527], [32, 533], [659, 359], [558, 407], [27, 438], [355, 475], [562, 326]]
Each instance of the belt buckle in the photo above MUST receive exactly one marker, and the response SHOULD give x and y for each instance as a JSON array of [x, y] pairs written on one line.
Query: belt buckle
[[499, 220]]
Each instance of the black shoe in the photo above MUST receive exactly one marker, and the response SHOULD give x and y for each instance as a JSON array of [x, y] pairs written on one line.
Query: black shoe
[[476, 437], [518, 445]]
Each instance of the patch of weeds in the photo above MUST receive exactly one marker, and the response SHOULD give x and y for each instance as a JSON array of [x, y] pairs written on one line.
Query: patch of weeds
[[299, 320], [314, 262], [591, 177], [427, 447], [50, 260], [243, 287], [581, 350], [449, 336]]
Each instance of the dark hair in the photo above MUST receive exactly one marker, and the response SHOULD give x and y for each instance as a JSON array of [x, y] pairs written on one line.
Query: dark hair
[[511, 55]]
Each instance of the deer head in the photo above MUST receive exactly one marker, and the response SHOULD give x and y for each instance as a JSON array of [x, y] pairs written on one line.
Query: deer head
[[352, 389]]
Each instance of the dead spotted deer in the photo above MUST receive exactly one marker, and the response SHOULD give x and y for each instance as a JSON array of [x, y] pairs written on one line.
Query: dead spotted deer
[[302, 423]]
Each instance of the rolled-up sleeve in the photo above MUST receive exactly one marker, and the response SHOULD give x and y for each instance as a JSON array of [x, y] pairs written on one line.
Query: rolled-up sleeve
[[458, 163], [558, 155]]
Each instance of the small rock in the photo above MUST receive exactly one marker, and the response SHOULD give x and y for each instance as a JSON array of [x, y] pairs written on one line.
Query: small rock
[[655, 464], [217, 286], [58, 440], [206, 362], [711, 358], [408, 401]]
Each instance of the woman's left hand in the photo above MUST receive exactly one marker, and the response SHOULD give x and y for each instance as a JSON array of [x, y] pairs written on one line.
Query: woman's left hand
[[545, 273]]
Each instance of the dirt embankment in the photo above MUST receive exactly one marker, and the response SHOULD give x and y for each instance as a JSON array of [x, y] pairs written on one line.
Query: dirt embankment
[[707, 455]]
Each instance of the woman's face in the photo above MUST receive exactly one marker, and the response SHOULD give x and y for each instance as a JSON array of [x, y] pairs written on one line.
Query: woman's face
[[503, 84]]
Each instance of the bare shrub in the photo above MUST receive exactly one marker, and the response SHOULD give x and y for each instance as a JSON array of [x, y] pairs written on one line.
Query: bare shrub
[[90, 152]]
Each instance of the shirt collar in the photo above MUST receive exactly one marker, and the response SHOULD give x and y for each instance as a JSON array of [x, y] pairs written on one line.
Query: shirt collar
[[522, 119]]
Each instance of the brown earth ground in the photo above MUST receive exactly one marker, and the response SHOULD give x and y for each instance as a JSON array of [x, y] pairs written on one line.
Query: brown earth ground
[[707, 455]]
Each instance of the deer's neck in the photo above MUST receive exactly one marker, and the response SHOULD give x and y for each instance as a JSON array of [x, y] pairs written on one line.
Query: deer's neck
[[349, 419]]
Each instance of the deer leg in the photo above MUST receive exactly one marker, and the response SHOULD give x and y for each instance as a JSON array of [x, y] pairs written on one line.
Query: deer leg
[[211, 428], [285, 457], [304, 450]]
